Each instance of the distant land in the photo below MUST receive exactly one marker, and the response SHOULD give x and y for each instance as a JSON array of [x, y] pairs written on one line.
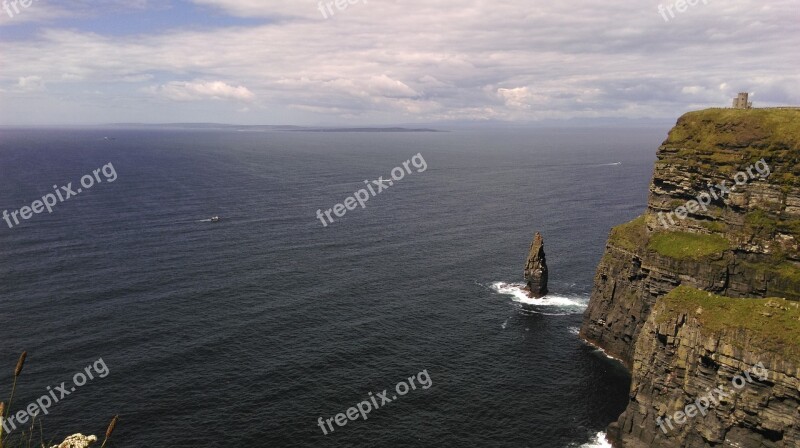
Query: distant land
[[268, 128], [367, 130]]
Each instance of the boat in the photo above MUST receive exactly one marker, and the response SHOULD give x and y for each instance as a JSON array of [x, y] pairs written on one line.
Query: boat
[[215, 219]]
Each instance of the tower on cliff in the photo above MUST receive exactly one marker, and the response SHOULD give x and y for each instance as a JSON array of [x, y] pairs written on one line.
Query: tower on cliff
[[536, 269], [742, 101]]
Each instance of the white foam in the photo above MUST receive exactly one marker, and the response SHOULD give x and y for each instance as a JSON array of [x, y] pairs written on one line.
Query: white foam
[[544, 314], [519, 295], [601, 351], [607, 355], [574, 330], [599, 441]]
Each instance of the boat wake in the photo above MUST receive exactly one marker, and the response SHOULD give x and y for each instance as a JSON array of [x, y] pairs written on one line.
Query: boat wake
[[563, 305]]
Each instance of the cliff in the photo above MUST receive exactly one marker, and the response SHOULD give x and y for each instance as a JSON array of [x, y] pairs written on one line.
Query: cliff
[[714, 371], [723, 216]]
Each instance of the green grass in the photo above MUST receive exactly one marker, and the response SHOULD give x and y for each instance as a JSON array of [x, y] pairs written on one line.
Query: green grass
[[725, 141], [738, 128], [772, 325], [783, 269], [789, 271], [715, 226], [791, 227], [724, 158], [761, 223], [684, 245], [631, 236]]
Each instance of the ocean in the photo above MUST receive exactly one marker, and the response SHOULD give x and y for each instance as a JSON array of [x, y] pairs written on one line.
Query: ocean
[[248, 331]]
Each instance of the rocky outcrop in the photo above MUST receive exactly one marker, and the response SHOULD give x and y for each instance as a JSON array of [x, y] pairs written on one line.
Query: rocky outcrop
[[77, 441], [536, 269], [698, 382], [702, 230]]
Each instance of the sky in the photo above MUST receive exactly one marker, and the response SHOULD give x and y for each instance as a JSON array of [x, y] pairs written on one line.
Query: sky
[[378, 62]]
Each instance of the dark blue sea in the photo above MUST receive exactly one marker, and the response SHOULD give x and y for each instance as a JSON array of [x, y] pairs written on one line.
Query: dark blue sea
[[244, 332]]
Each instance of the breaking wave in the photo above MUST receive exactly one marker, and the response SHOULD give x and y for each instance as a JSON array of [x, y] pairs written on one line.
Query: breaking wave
[[518, 294], [599, 441]]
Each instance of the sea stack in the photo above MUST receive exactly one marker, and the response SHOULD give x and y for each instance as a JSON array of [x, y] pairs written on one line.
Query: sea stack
[[536, 269]]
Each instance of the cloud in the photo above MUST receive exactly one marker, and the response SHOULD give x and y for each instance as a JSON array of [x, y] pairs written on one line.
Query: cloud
[[394, 60], [30, 84], [387, 87], [198, 90], [71, 77], [517, 98], [137, 78]]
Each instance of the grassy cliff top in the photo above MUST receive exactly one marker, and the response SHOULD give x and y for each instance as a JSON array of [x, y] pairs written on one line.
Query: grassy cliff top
[[633, 236], [683, 245], [729, 140], [737, 128], [772, 325]]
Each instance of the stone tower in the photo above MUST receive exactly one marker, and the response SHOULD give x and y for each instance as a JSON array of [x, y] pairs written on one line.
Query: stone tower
[[742, 101]]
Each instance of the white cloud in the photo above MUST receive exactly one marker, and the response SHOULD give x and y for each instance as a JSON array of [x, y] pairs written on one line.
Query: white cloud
[[199, 90], [450, 59], [518, 98], [71, 77], [30, 84], [387, 87], [137, 78]]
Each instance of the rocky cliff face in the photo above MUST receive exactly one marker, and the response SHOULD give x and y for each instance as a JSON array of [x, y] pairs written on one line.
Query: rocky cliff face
[[710, 373], [724, 217], [536, 269]]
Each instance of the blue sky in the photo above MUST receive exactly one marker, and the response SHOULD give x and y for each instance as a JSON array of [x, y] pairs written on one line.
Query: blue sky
[[120, 21], [390, 61]]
